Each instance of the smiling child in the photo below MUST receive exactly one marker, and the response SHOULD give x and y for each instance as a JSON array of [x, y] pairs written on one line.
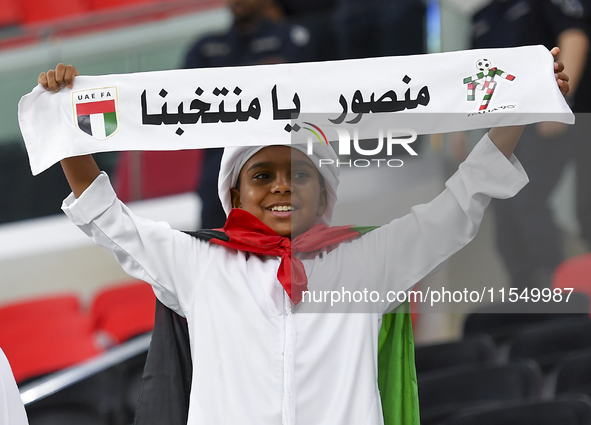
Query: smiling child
[[259, 356]]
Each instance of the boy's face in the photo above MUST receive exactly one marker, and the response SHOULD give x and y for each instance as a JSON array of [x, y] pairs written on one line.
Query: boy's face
[[281, 187]]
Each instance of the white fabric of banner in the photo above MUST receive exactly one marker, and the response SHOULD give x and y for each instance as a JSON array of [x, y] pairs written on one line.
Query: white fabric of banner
[[248, 106]]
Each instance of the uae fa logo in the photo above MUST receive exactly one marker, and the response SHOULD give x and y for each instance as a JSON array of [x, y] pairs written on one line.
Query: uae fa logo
[[96, 112]]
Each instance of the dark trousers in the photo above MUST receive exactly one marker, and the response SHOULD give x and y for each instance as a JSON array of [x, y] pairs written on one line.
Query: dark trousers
[[582, 158], [528, 239]]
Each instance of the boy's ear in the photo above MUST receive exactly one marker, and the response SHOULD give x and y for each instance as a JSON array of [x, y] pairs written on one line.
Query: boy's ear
[[235, 194], [322, 203]]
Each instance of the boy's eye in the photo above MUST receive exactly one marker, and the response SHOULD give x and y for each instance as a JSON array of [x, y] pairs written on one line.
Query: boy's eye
[[261, 176], [301, 175]]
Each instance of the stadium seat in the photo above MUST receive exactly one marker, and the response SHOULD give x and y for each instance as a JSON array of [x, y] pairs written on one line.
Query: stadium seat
[[563, 411], [124, 310], [160, 174], [69, 414], [549, 343], [43, 335], [10, 13], [478, 350], [110, 4], [35, 11], [443, 393], [48, 346], [573, 374], [505, 320], [46, 306], [574, 273], [39, 328], [100, 396]]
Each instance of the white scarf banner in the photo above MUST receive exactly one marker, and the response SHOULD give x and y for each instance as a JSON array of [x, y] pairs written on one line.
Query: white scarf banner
[[260, 105]]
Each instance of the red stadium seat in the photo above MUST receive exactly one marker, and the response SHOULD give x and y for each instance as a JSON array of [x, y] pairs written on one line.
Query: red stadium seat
[[45, 334], [35, 11], [42, 356], [109, 4], [42, 307], [10, 13], [37, 345], [574, 273], [162, 173], [125, 310]]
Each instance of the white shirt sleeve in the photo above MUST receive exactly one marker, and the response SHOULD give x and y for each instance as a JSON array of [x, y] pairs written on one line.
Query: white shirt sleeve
[[12, 410], [147, 250], [410, 247]]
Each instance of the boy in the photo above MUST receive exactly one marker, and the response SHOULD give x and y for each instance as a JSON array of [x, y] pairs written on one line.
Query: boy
[[257, 358]]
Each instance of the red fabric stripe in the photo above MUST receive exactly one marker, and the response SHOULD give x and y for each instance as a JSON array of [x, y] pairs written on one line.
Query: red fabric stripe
[[248, 233], [95, 107], [510, 77]]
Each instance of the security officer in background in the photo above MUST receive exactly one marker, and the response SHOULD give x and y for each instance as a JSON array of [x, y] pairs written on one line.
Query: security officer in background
[[528, 239], [258, 36]]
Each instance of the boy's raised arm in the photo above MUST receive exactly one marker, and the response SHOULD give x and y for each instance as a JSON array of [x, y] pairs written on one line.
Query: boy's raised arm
[[506, 138], [80, 171]]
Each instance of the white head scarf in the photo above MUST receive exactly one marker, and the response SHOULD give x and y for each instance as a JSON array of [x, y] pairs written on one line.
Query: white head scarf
[[234, 159]]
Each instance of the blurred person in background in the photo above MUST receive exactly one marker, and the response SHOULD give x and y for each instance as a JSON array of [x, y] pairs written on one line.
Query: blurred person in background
[[373, 28], [12, 410], [528, 239], [259, 35]]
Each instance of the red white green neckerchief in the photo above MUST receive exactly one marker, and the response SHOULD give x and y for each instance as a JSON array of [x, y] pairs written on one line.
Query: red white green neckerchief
[[245, 232]]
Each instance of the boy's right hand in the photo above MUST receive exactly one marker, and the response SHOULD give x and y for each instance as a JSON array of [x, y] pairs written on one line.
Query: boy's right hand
[[55, 79]]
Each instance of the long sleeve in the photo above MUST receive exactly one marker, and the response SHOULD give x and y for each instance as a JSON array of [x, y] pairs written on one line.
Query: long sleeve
[[147, 250], [396, 256], [433, 232]]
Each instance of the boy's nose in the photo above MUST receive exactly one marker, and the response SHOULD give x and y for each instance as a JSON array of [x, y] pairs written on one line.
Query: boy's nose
[[282, 184]]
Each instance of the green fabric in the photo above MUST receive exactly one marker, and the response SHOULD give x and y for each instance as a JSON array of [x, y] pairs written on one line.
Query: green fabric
[[397, 377], [362, 230], [110, 123]]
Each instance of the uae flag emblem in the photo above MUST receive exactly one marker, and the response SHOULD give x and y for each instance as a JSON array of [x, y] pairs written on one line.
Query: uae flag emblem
[[96, 112]]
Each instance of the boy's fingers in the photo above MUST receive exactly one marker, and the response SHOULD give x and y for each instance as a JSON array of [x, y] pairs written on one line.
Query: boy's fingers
[[60, 73], [61, 76], [71, 72], [563, 85], [51, 81], [43, 80], [555, 51], [558, 67], [562, 76]]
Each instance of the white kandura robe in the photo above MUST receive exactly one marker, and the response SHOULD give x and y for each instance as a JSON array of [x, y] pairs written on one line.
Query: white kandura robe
[[12, 410], [241, 323]]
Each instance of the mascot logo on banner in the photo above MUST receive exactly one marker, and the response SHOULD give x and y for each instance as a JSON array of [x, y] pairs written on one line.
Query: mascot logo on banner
[[96, 112], [485, 81]]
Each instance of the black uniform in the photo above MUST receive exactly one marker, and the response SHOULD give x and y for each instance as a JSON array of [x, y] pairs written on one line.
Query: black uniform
[[527, 237], [270, 42]]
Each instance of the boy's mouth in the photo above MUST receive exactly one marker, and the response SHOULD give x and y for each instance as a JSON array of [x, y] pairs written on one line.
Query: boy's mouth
[[281, 210]]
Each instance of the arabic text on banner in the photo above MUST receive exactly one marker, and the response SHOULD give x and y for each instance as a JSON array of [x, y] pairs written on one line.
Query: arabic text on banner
[[260, 105]]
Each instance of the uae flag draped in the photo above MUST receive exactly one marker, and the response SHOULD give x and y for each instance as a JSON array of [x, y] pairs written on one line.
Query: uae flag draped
[[98, 119]]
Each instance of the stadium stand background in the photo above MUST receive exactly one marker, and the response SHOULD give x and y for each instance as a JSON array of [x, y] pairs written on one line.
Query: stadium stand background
[[43, 255]]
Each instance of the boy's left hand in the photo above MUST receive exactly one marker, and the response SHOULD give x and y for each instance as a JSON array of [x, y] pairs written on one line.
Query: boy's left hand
[[561, 77], [550, 129], [55, 79]]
